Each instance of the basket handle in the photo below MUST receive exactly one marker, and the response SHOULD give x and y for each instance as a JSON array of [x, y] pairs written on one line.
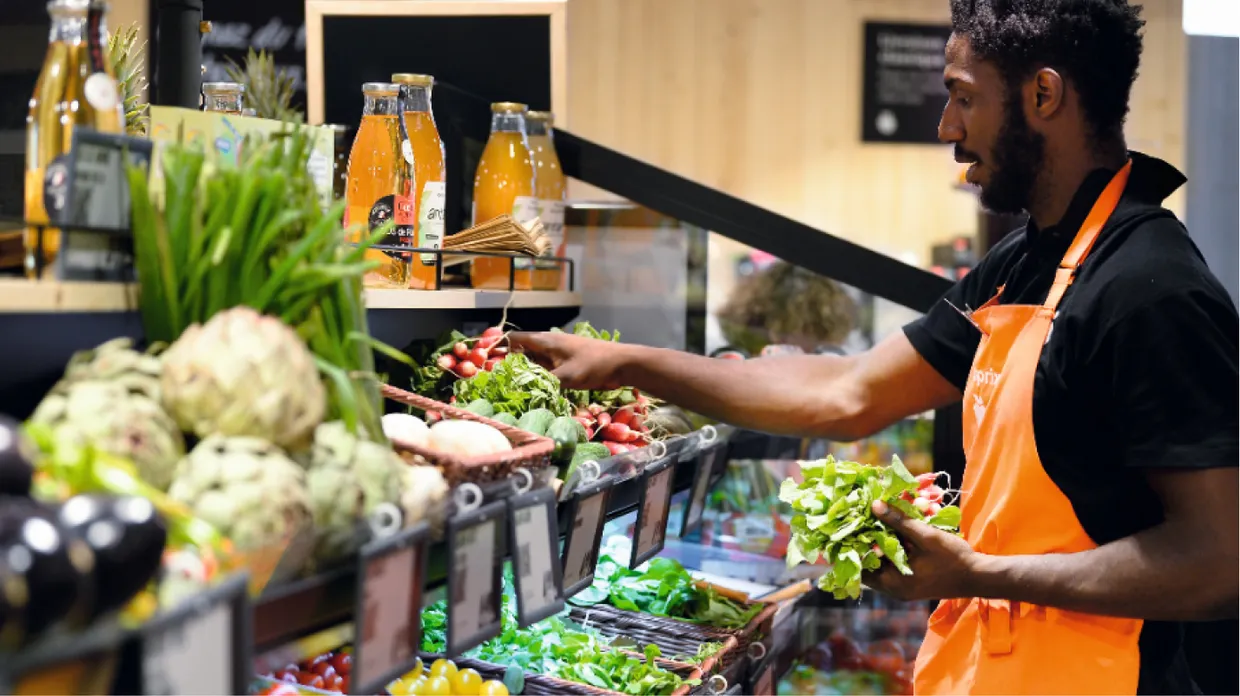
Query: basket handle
[[756, 650], [385, 521], [468, 496], [717, 684], [522, 480], [708, 434]]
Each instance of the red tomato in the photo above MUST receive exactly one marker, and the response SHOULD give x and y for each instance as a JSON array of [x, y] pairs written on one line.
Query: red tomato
[[287, 676], [343, 664], [336, 683], [478, 356], [314, 682], [324, 669]]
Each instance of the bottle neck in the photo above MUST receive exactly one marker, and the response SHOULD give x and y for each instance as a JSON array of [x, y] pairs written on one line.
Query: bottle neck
[[507, 122], [415, 98], [538, 128], [380, 105]]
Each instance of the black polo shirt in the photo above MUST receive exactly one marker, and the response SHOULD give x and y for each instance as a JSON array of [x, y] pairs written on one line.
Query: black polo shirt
[[1140, 369]]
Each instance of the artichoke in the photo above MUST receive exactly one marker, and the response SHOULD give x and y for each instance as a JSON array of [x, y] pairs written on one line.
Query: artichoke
[[243, 374], [117, 421], [114, 361], [349, 479], [246, 487], [423, 495]]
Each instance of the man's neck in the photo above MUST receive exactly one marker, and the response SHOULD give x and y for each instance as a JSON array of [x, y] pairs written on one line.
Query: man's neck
[[1062, 178]]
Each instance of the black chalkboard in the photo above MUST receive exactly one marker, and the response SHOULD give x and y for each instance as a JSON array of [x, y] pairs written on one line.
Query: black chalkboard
[[903, 82]]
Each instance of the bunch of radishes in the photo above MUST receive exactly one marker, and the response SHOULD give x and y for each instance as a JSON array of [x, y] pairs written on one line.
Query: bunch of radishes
[[621, 430], [929, 498], [465, 361]]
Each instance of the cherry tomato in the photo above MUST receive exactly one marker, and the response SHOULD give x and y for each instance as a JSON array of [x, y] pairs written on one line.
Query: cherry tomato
[[436, 686], [324, 669], [334, 683], [493, 688], [344, 664], [290, 677], [466, 682], [314, 682], [321, 658], [443, 668]]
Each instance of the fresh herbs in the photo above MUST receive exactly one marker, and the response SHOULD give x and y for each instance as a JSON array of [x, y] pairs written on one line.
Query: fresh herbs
[[833, 519], [664, 588], [516, 385], [559, 648]]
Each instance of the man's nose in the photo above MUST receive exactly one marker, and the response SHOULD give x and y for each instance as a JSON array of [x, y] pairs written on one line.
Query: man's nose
[[950, 130]]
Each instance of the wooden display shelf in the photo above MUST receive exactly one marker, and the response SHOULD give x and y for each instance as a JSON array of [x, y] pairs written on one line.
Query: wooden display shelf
[[20, 296]]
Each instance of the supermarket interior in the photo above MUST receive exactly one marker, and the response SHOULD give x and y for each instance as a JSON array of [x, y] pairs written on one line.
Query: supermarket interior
[[272, 277]]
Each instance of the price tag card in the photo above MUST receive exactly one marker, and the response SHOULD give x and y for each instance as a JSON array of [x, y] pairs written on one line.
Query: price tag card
[[587, 516], [474, 591], [763, 676], [702, 477], [387, 622], [652, 509], [202, 646], [534, 539]]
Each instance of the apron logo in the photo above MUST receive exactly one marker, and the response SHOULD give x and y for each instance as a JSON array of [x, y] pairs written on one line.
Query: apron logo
[[979, 409]]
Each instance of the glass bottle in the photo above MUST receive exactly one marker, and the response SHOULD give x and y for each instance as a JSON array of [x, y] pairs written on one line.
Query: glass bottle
[[75, 88], [504, 184], [378, 182], [223, 97], [423, 149], [551, 188], [340, 160]]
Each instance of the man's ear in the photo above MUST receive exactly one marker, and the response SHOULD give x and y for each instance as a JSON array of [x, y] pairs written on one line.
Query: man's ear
[[1047, 93]]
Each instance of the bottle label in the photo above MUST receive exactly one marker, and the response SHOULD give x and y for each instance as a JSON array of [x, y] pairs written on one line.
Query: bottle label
[[407, 151], [551, 212], [399, 209], [431, 218], [56, 188], [101, 92], [524, 211]]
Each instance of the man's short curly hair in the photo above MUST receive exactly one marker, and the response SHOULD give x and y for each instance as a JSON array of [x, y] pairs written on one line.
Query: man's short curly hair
[[1094, 44]]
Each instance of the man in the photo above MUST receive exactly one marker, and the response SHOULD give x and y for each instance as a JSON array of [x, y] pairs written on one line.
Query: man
[[1099, 375]]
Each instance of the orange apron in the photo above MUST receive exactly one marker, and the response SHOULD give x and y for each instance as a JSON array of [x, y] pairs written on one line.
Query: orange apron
[[1011, 507]]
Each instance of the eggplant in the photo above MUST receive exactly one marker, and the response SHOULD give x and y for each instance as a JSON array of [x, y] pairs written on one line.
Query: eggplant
[[127, 538], [45, 572], [16, 459]]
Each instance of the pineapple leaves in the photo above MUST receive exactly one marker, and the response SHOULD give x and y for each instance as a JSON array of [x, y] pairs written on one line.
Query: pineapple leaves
[[267, 90]]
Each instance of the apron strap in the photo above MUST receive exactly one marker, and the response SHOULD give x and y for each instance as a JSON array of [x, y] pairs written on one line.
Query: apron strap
[[1087, 235]]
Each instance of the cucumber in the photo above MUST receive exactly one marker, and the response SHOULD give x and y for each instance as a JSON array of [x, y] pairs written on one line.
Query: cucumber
[[587, 451], [505, 418], [481, 407], [563, 431], [536, 421]]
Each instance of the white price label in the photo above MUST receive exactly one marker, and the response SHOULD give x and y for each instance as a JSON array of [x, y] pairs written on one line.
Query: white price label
[[533, 558], [193, 656], [652, 517], [391, 612], [473, 603], [581, 551], [431, 212]]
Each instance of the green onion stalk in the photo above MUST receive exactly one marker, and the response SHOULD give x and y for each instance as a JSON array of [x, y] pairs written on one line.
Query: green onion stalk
[[255, 234]]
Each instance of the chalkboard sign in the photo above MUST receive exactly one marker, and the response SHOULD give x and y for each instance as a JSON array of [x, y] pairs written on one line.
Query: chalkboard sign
[[903, 83]]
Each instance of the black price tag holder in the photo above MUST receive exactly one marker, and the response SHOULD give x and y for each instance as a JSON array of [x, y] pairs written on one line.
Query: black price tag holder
[[713, 449], [474, 576], [534, 539], [762, 670], [650, 530], [86, 194], [203, 646], [587, 515], [387, 623]]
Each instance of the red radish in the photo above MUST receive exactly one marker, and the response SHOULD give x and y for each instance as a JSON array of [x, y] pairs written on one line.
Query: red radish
[[490, 364], [499, 351], [467, 369], [446, 362], [433, 416], [906, 496], [493, 331], [488, 342], [618, 432], [932, 493], [584, 413], [589, 433], [934, 509], [584, 420], [924, 480], [604, 420], [877, 551], [461, 351], [478, 357], [922, 505], [452, 399], [639, 425], [615, 447], [595, 409], [624, 416]]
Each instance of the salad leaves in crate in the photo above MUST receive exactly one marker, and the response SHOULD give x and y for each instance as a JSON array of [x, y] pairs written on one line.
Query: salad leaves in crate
[[832, 518]]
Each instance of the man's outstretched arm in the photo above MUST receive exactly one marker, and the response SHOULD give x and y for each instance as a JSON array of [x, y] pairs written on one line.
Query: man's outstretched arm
[[836, 397]]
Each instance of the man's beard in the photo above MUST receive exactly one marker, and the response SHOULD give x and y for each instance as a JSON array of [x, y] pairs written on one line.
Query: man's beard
[[1018, 156]]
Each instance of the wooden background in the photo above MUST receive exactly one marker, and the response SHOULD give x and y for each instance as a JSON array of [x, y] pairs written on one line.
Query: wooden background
[[761, 98]]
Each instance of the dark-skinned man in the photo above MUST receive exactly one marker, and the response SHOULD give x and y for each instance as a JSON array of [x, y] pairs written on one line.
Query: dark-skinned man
[[1096, 357]]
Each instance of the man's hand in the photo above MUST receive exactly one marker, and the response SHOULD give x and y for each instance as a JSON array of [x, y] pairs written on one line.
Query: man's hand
[[942, 563], [579, 362]]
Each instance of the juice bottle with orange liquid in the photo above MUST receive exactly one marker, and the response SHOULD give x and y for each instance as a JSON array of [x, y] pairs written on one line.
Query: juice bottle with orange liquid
[[422, 145], [551, 188], [504, 184], [378, 186], [75, 88]]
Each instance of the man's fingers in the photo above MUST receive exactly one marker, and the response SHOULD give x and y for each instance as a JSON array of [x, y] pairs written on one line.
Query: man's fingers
[[903, 526], [524, 341]]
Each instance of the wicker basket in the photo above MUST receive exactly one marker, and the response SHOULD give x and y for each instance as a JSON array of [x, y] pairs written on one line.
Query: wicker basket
[[533, 452], [544, 685], [674, 638]]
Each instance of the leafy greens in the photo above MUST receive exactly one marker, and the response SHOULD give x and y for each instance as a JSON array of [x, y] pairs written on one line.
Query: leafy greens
[[664, 588], [833, 520], [515, 386]]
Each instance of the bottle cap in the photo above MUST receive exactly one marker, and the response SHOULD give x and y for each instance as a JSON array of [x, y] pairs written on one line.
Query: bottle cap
[[541, 116], [413, 79], [379, 87], [508, 108]]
